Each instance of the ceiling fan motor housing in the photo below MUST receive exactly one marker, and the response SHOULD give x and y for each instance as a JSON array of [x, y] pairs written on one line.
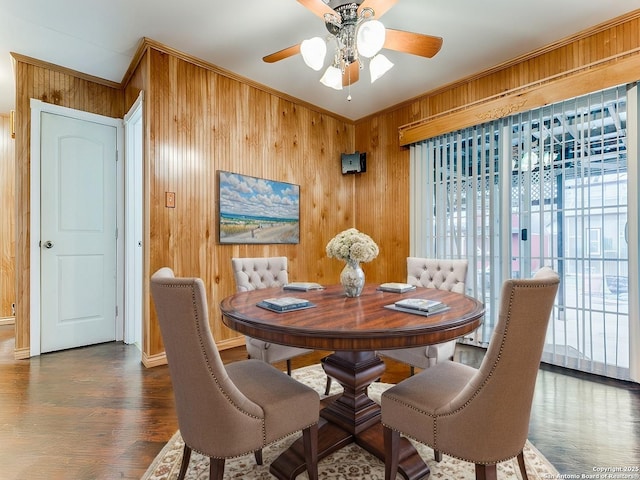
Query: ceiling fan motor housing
[[348, 16], [345, 29]]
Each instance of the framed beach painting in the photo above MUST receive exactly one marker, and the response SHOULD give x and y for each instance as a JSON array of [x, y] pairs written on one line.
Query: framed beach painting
[[257, 210]]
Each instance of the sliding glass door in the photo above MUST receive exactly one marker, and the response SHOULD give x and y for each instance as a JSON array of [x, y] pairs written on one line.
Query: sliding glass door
[[569, 209], [545, 187]]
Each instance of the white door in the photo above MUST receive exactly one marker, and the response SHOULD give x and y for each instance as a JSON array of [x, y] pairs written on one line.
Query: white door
[[134, 267], [78, 232]]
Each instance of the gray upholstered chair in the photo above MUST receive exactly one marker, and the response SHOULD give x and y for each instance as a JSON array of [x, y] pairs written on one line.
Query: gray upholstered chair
[[225, 412], [478, 415], [264, 272], [431, 273]]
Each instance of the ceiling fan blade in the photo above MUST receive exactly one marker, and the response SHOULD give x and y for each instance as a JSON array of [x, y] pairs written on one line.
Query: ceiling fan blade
[[414, 43], [379, 7], [282, 54], [351, 74], [319, 8]]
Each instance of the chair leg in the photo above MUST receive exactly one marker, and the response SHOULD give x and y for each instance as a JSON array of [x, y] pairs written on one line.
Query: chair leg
[[391, 453], [327, 389], [523, 470], [186, 456], [412, 371], [437, 456], [289, 367], [486, 472], [258, 455], [310, 441], [216, 468]]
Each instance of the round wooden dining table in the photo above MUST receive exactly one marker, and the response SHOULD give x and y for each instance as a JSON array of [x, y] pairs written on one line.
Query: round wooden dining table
[[354, 329]]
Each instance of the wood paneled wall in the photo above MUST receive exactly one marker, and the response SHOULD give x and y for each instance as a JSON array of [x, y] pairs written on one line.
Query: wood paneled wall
[[61, 87], [7, 221], [200, 121]]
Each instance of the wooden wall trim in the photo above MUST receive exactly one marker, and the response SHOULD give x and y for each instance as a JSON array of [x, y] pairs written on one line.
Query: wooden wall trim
[[150, 361], [610, 72], [148, 43], [22, 353], [603, 27], [67, 71], [158, 359]]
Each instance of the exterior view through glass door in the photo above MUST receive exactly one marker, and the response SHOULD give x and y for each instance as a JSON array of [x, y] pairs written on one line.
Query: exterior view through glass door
[[569, 209], [545, 187]]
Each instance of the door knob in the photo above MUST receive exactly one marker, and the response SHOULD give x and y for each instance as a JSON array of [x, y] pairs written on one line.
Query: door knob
[[48, 244]]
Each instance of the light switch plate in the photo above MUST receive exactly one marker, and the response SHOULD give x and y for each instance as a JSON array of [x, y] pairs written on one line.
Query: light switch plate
[[170, 199]]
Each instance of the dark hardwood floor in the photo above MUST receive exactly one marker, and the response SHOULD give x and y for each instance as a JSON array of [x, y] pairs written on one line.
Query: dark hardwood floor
[[97, 413]]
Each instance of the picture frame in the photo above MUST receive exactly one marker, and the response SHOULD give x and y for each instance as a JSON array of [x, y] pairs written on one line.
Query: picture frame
[[257, 210]]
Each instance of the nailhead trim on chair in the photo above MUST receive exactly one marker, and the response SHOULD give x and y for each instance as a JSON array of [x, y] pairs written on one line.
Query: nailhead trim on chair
[[215, 378], [477, 391]]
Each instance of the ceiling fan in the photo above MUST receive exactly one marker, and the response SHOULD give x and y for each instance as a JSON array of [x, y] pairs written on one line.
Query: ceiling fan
[[355, 29]]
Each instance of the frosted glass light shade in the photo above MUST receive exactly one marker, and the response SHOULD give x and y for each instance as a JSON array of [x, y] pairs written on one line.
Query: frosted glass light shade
[[370, 38], [378, 66], [313, 52], [332, 78]]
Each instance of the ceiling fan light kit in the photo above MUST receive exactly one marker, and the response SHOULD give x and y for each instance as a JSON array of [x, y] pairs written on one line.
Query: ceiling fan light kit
[[370, 38], [313, 52], [378, 66], [357, 34], [332, 78]]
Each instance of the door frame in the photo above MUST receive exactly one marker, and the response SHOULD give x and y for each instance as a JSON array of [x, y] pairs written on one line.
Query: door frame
[[133, 253], [38, 107]]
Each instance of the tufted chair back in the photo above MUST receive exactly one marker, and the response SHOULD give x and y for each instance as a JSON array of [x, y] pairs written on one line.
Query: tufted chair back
[[437, 273], [431, 273], [261, 272], [254, 274]]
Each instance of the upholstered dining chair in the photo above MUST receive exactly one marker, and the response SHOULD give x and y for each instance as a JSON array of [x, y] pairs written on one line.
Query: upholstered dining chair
[[431, 273], [265, 272], [225, 411], [478, 415]]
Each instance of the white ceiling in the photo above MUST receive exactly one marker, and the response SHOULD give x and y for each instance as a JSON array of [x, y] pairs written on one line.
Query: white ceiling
[[100, 37]]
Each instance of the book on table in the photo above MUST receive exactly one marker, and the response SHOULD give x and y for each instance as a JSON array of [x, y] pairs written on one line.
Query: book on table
[[396, 287], [421, 305], [284, 304], [303, 286]]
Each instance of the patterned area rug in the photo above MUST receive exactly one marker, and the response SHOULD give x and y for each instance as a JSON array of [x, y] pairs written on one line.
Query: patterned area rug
[[351, 462]]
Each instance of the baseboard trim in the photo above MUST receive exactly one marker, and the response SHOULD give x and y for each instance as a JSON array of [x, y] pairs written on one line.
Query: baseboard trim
[[231, 343], [22, 353], [151, 361]]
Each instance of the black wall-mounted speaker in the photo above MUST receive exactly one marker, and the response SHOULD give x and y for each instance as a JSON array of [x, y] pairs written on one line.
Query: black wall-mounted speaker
[[354, 162]]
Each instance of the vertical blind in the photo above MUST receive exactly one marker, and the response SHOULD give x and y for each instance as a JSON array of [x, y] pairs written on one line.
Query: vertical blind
[[544, 187]]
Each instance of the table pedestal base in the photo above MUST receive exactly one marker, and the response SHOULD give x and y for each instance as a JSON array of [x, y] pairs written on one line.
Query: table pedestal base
[[352, 417]]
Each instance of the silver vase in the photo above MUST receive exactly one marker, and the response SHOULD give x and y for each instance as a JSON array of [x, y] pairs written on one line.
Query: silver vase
[[352, 279]]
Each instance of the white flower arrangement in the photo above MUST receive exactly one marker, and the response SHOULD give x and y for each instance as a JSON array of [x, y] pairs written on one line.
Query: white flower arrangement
[[354, 245]]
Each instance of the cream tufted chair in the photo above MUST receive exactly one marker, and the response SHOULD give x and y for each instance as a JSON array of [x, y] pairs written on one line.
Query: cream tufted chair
[[431, 273], [225, 411], [264, 272], [480, 416]]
